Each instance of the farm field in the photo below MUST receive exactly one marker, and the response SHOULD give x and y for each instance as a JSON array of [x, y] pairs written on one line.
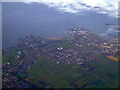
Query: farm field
[[64, 75]]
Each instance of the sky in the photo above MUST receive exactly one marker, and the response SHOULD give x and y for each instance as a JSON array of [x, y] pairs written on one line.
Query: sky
[[109, 7], [52, 18]]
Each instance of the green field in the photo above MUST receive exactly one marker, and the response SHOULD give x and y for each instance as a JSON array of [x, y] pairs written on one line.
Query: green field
[[64, 75], [66, 44], [10, 57]]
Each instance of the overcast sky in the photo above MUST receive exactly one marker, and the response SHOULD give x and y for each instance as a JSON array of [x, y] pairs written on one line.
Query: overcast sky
[[109, 7]]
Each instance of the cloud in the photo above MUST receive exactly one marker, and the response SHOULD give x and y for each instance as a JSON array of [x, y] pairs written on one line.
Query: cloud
[[112, 30], [108, 7]]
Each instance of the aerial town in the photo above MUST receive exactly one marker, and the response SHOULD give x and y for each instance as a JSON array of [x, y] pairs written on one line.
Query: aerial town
[[79, 48]]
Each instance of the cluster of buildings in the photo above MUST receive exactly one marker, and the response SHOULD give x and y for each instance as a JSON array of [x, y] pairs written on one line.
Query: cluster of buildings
[[10, 80], [85, 48]]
